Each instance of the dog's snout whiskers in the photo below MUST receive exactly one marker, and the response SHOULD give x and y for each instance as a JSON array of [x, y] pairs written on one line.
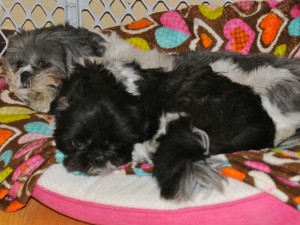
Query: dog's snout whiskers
[[99, 160]]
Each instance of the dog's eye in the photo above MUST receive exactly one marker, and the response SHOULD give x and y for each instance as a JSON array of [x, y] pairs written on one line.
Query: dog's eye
[[109, 154], [44, 64], [19, 64], [114, 146], [79, 145]]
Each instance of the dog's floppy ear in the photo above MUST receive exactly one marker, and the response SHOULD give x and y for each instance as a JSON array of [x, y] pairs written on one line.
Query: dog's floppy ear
[[59, 105], [96, 43]]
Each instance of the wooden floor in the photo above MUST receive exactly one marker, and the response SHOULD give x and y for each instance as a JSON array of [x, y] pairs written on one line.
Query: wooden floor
[[36, 214]]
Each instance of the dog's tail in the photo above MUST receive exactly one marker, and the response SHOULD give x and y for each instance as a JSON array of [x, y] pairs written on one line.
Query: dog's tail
[[181, 167], [198, 176]]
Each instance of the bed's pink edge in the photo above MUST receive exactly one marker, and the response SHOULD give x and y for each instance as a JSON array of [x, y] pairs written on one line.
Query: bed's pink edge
[[261, 209]]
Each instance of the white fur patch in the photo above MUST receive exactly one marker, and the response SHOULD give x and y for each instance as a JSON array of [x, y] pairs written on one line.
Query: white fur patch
[[285, 124], [118, 49], [14, 79], [127, 75], [143, 152], [164, 121], [260, 79], [124, 74], [204, 139]]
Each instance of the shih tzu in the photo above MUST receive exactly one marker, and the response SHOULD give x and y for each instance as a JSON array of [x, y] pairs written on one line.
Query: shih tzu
[[36, 61], [110, 112]]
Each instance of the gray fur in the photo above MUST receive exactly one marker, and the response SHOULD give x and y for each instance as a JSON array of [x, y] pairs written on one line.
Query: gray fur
[[199, 177], [61, 45], [285, 94], [246, 62], [44, 53]]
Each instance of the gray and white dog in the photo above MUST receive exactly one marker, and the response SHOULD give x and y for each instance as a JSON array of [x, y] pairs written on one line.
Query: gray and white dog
[[38, 60]]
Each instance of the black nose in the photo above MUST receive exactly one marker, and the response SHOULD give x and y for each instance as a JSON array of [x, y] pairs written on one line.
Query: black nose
[[99, 160], [25, 78]]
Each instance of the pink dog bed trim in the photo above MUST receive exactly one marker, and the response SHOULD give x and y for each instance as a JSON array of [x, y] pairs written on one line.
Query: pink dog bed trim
[[260, 209]]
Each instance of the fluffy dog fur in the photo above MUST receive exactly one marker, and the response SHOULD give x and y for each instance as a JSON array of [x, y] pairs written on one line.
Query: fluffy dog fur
[[275, 79], [46, 56], [175, 119], [36, 61]]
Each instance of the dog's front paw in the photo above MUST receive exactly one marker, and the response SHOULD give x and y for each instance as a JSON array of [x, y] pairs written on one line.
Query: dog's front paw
[[38, 100]]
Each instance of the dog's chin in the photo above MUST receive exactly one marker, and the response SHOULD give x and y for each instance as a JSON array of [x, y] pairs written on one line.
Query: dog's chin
[[101, 171], [90, 170]]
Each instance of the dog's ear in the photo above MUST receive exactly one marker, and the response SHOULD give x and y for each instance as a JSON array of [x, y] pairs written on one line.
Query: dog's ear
[[96, 42], [59, 105]]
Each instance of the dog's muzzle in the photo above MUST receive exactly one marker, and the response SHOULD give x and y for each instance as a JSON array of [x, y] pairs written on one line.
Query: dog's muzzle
[[25, 79]]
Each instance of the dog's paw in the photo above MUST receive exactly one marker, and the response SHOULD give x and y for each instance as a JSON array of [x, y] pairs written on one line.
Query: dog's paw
[[36, 99]]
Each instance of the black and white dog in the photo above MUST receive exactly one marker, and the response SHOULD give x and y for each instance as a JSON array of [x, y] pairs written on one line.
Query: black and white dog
[[275, 79], [176, 119]]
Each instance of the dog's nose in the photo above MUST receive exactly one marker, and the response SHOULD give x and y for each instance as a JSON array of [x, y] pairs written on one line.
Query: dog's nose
[[25, 79], [99, 160]]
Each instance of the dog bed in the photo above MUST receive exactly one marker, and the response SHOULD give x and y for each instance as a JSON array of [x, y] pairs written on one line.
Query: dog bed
[[29, 161], [134, 200]]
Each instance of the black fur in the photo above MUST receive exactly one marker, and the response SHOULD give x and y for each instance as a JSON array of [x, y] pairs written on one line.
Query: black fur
[[96, 110], [98, 113]]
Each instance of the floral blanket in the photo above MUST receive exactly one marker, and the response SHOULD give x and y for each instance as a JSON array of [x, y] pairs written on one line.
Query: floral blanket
[[27, 148]]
